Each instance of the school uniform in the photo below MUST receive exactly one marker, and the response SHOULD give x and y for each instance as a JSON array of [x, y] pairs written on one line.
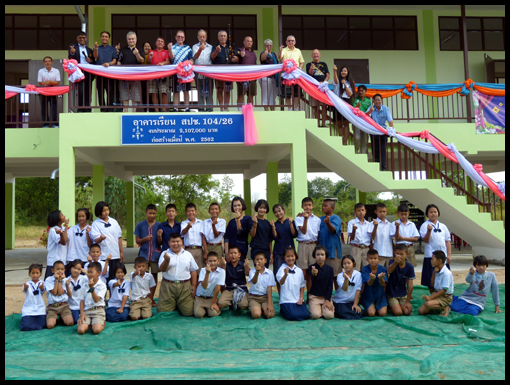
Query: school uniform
[[236, 291], [473, 300], [33, 312], [141, 303], [438, 238], [57, 304], [94, 311], [110, 245], [344, 300], [373, 295], [262, 240], [204, 296], [396, 289], [149, 250], [193, 241], [117, 295], [332, 242], [175, 290], [258, 292], [407, 230], [214, 243], [290, 294], [320, 291], [76, 297], [444, 280], [78, 247], [56, 251], [361, 242], [284, 238], [307, 242], [239, 238], [103, 278], [167, 231], [382, 241]]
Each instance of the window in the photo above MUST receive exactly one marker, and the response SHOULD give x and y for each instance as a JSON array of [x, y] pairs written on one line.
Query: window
[[352, 32], [148, 27], [483, 33]]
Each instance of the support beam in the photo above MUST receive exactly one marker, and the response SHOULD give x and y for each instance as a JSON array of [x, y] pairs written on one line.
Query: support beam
[[466, 55], [98, 190], [9, 210], [130, 214], [67, 181], [272, 187], [299, 177], [361, 197], [247, 196]]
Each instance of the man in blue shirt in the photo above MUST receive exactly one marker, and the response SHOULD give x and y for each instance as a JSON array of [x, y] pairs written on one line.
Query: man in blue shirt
[[380, 114], [105, 55]]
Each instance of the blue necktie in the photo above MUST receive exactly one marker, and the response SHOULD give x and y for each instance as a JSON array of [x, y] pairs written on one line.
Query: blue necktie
[[76, 288]]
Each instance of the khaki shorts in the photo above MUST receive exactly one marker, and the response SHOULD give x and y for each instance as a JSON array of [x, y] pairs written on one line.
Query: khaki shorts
[[141, 308], [175, 296], [252, 89], [158, 86], [55, 312], [397, 301], [317, 308], [154, 267], [335, 263], [445, 300], [198, 255], [218, 249], [130, 90], [305, 259], [412, 255], [226, 300], [93, 317], [385, 262], [203, 306], [360, 257], [255, 301]]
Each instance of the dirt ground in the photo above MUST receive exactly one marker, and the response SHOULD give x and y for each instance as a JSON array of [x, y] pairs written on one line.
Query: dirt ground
[[14, 297]]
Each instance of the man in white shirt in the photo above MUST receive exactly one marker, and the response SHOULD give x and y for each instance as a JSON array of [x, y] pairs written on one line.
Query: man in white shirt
[[202, 56], [48, 77]]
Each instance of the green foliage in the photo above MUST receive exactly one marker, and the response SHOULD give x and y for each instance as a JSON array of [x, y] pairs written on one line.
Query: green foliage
[[35, 199]]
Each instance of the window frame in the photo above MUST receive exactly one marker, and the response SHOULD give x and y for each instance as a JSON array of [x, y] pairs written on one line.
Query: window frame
[[482, 30]]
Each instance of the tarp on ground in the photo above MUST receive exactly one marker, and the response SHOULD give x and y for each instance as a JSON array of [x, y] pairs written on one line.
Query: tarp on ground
[[234, 346]]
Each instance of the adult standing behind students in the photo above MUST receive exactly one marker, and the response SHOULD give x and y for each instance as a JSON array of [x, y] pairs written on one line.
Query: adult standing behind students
[[320, 72], [238, 229], [344, 88], [291, 52], [202, 56], [160, 57], [105, 55], [179, 53], [246, 56], [380, 114], [268, 85], [130, 55], [48, 76], [83, 55], [220, 55]]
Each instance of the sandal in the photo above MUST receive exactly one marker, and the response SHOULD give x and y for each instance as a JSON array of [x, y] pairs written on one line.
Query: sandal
[[445, 311]]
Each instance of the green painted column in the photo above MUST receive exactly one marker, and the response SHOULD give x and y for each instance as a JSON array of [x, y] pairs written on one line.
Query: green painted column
[[247, 196], [268, 26], [98, 190], [272, 187], [67, 181], [361, 197], [130, 213], [299, 169], [9, 210], [429, 44]]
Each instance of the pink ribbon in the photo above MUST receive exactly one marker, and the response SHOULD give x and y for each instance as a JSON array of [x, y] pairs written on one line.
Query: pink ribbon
[[251, 134], [478, 168], [30, 87]]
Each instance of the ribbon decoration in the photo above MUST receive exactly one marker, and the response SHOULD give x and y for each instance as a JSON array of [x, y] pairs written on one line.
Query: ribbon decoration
[[290, 75], [251, 134], [185, 72], [10, 91], [73, 72]]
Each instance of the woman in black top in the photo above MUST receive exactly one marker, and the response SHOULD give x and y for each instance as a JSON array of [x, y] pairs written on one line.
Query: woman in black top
[[262, 232]]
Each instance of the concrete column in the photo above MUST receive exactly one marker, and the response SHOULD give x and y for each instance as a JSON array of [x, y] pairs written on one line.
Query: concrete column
[[247, 196], [130, 213], [98, 190], [299, 171], [67, 181], [272, 187], [361, 197], [9, 210]]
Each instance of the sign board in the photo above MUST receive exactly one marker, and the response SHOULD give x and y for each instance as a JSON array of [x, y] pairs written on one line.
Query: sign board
[[185, 128]]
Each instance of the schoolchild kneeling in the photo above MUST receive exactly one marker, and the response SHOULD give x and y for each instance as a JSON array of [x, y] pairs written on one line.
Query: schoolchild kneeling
[[236, 292], [92, 305], [118, 305], [210, 281], [57, 293], [346, 298], [141, 291], [76, 282], [261, 290]]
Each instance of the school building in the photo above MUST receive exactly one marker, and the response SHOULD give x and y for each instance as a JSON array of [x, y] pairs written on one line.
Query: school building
[[381, 44]]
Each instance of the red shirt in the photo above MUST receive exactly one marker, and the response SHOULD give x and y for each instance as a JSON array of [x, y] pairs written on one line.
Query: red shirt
[[159, 56]]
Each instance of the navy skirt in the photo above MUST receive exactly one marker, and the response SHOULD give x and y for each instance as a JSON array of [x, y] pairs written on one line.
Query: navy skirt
[[113, 316], [32, 322], [426, 272], [460, 306], [76, 315], [344, 311], [294, 312]]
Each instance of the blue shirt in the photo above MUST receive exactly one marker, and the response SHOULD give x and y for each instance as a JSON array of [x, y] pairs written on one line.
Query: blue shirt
[[284, 237], [383, 116], [181, 53], [322, 285], [263, 236], [331, 241], [236, 237], [167, 230], [396, 286], [371, 293], [105, 54], [141, 231], [235, 275]]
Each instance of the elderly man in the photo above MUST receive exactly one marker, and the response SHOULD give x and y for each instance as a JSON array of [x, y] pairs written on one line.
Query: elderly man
[[83, 55], [268, 85], [179, 53], [245, 56], [202, 56], [319, 70], [48, 76], [291, 52], [130, 55], [105, 55], [160, 57], [220, 55]]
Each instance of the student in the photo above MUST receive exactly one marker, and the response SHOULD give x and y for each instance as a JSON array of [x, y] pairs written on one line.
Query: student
[[321, 278], [168, 227], [292, 283], [442, 283], [94, 256], [400, 282], [106, 232], [284, 233], [92, 304], [380, 230], [178, 267], [77, 280], [57, 294], [481, 283], [213, 230], [262, 232], [33, 312], [329, 236], [142, 287], [308, 231], [405, 232], [436, 237], [190, 232], [357, 229], [146, 232], [363, 104], [211, 279], [57, 240], [236, 291], [79, 239], [346, 299], [261, 290], [118, 305], [374, 279], [238, 229]]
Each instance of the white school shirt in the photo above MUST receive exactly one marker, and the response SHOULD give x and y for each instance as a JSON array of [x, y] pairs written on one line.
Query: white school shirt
[[437, 240], [102, 263], [180, 267], [349, 295], [408, 230], [362, 236], [265, 280], [56, 251], [193, 237], [34, 304], [100, 290], [116, 296], [141, 286], [78, 247], [49, 284], [112, 233], [444, 280], [382, 241], [53, 75], [290, 290], [207, 230], [312, 228], [216, 277], [77, 294]]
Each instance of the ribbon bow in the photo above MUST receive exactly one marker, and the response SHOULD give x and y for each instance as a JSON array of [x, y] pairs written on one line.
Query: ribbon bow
[[392, 131], [80, 234], [122, 290], [107, 224], [185, 72], [30, 87], [352, 283], [357, 111], [292, 271], [408, 90], [76, 288], [35, 292], [72, 70], [424, 134], [324, 87], [290, 74], [466, 87], [478, 168], [451, 147]]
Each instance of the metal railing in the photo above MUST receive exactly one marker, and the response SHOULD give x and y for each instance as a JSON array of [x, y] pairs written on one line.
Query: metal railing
[[29, 110]]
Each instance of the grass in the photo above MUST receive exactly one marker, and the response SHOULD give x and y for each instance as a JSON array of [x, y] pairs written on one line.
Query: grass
[[27, 233]]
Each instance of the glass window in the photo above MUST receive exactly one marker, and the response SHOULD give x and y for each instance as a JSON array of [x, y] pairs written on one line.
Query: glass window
[[72, 21], [493, 23], [483, 34], [291, 22], [382, 23], [245, 22], [197, 21], [450, 41], [405, 23], [356, 22], [50, 39], [474, 40], [48, 21], [8, 39], [26, 38], [337, 39], [474, 23], [383, 40], [124, 21], [494, 41], [313, 22], [22, 21], [172, 21], [146, 21], [220, 22], [336, 22], [405, 41], [314, 38], [8, 21], [449, 23], [361, 40]]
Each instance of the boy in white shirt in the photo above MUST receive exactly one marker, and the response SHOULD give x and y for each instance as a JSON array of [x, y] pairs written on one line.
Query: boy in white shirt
[[92, 304], [57, 289], [380, 230], [213, 230], [191, 230], [94, 256], [357, 229], [308, 227], [141, 285], [442, 281], [262, 282], [210, 281], [405, 232]]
